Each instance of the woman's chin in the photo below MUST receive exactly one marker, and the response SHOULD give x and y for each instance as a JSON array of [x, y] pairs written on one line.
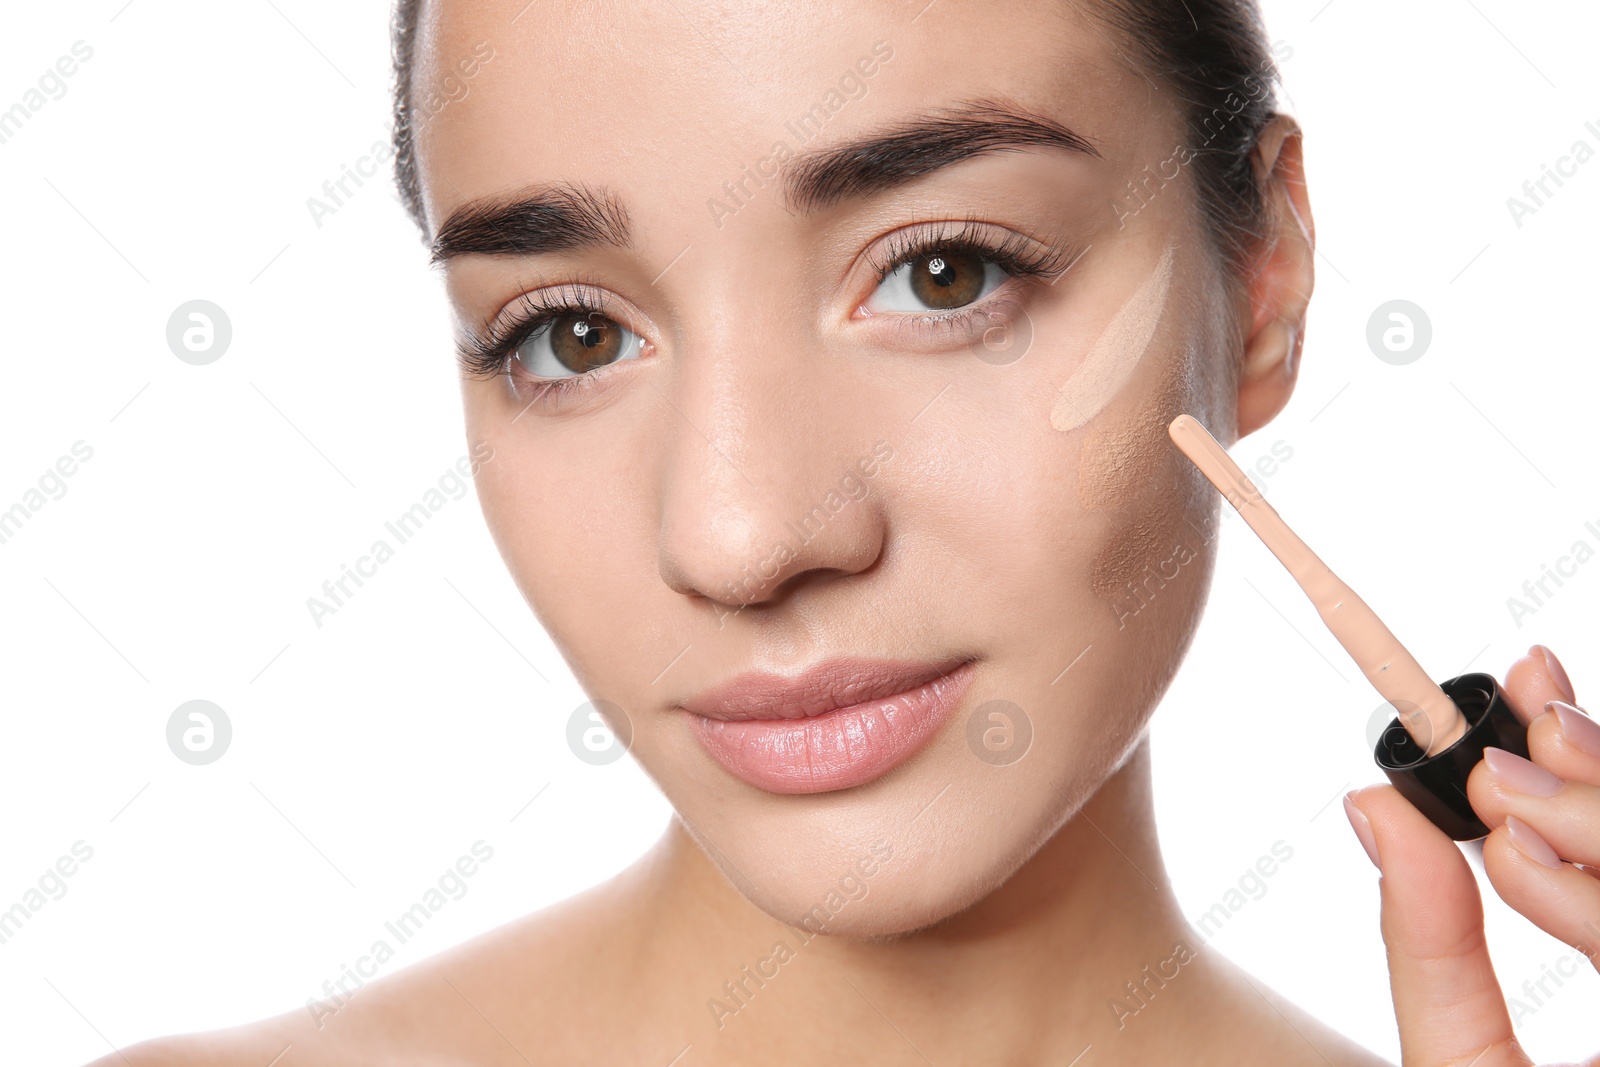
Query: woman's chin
[[878, 885], [893, 906]]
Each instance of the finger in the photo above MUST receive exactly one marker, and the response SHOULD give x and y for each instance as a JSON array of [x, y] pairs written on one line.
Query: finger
[[1566, 742], [1565, 813], [1446, 999], [1557, 897], [1534, 680]]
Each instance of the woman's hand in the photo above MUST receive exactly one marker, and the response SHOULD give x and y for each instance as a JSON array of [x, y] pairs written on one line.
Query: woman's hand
[[1545, 820]]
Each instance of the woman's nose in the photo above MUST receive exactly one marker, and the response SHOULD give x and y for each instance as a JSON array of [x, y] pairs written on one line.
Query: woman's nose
[[768, 474]]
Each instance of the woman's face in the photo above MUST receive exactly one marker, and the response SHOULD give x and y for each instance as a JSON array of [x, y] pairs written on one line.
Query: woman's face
[[788, 425]]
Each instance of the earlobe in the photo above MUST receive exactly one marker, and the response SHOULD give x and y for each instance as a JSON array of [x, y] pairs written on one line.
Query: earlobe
[[1272, 363], [1281, 280]]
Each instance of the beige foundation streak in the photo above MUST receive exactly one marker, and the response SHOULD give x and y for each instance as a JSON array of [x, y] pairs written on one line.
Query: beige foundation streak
[[1426, 711], [1121, 460], [1116, 353]]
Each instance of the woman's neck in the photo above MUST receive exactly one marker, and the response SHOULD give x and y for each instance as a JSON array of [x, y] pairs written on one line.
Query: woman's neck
[[1033, 971]]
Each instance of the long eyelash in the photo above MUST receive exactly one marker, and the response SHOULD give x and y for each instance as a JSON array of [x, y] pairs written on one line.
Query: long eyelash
[[488, 354], [1015, 254]]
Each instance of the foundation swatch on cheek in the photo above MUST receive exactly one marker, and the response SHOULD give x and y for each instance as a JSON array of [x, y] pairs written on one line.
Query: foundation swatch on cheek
[[1116, 353], [1159, 512], [1122, 462]]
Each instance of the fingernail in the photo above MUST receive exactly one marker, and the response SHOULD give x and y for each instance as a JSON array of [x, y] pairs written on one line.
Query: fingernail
[[1557, 673], [1363, 829], [1530, 844], [1519, 775], [1581, 732]]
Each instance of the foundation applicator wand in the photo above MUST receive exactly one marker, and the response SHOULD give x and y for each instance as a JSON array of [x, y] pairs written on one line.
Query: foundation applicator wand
[[1441, 730]]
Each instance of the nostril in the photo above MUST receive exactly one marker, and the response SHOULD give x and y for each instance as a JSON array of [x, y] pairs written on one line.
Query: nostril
[[732, 567]]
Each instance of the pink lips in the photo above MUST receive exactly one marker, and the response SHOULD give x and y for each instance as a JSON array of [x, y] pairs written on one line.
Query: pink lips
[[841, 723]]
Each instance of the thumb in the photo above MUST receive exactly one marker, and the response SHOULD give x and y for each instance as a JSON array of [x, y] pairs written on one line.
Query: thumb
[[1446, 999]]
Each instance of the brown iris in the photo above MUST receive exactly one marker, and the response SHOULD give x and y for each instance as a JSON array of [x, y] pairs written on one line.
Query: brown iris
[[583, 342], [945, 280]]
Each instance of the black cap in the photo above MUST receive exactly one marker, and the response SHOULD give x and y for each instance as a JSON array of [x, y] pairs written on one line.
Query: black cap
[[1437, 785]]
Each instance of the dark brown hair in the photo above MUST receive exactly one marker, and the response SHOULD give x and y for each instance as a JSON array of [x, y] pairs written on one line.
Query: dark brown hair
[[1213, 56], [403, 38]]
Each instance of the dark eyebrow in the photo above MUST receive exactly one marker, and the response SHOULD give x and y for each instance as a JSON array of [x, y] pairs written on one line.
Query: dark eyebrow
[[553, 217], [918, 146], [563, 216]]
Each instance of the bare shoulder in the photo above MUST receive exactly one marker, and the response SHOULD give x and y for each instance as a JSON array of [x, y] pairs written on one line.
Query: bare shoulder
[[1281, 1032], [1305, 1038], [507, 996]]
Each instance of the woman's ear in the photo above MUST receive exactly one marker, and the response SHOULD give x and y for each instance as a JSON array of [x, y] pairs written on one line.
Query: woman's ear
[[1281, 280]]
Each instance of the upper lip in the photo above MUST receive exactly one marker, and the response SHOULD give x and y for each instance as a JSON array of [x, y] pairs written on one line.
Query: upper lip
[[822, 687]]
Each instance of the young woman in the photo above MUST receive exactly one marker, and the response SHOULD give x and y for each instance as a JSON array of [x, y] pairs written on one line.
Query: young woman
[[825, 354]]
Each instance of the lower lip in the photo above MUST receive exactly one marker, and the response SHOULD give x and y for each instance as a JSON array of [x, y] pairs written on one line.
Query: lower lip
[[838, 749]]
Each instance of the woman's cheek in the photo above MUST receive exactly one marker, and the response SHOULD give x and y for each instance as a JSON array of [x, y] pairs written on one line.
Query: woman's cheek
[[547, 531], [1162, 520]]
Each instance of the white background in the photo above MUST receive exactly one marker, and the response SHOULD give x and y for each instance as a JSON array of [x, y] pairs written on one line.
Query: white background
[[371, 753]]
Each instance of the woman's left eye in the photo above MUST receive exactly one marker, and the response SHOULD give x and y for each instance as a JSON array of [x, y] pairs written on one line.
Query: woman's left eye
[[937, 281]]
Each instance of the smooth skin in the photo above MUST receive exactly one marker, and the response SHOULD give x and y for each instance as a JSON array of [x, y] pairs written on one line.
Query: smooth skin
[[1021, 898]]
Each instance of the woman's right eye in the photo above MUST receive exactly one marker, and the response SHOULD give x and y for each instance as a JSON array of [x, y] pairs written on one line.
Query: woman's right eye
[[576, 342]]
